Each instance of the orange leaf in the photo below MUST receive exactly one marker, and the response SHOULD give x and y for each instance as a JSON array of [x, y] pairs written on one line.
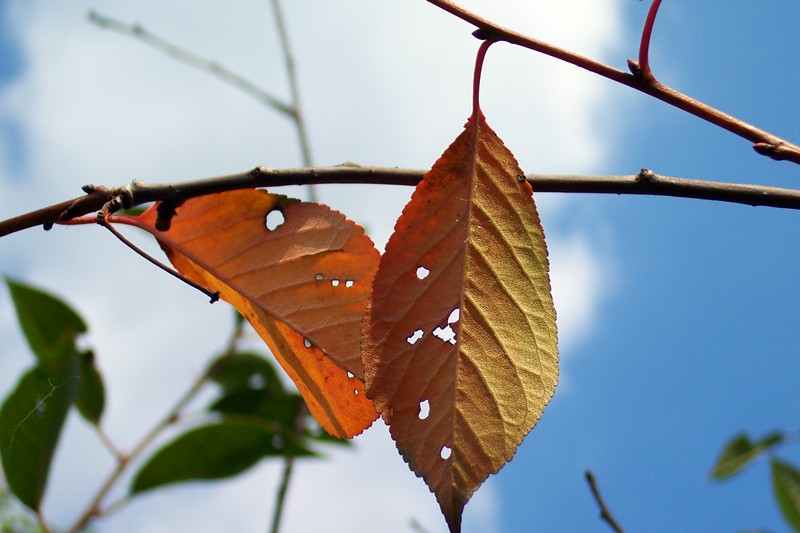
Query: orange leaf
[[460, 346], [302, 281]]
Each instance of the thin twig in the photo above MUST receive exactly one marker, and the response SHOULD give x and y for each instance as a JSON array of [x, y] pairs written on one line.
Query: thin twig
[[123, 461], [294, 87], [94, 508], [280, 496], [764, 143], [189, 58], [644, 183], [107, 442], [605, 513], [43, 525], [288, 468]]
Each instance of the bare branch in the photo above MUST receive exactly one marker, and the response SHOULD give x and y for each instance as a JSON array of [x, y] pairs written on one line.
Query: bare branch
[[138, 32], [764, 143], [645, 182], [294, 87], [605, 513]]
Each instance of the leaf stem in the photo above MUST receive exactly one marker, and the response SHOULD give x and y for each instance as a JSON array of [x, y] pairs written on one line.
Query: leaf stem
[[764, 143], [644, 46], [103, 221], [476, 80]]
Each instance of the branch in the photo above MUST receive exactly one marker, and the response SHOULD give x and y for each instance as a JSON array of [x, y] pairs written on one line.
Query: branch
[[189, 58], [605, 514], [291, 74], [764, 143], [645, 182]]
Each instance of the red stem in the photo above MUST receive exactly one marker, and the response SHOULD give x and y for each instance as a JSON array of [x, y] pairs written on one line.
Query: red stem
[[476, 81], [644, 46], [764, 143]]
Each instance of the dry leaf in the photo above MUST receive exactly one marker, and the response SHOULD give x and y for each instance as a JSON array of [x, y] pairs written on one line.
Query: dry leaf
[[460, 346], [300, 273]]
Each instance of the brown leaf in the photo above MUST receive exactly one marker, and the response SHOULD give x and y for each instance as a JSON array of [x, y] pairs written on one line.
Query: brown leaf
[[300, 273], [460, 346]]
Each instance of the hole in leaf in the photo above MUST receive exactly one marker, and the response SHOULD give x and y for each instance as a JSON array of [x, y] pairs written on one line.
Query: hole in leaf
[[445, 334], [350, 375], [445, 452], [424, 409], [275, 219], [422, 272], [355, 392], [335, 282], [414, 337], [349, 283], [256, 381], [278, 442], [319, 277], [307, 343], [454, 316]]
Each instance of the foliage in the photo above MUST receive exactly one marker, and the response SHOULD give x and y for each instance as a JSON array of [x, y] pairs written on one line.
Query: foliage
[[740, 452], [252, 416]]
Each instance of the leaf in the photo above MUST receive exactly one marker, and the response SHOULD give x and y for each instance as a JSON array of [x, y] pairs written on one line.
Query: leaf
[[214, 451], [302, 282], [91, 398], [739, 453], [786, 484], [245, 371], [252, 387], [460, 347], [49, 325], [31, 420], [281, 410]]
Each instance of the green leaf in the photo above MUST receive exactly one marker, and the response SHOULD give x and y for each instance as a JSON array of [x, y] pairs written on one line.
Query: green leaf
[[280, 410], [245, 370], [786, 484], [215, 451], [49, 325], [92, 396], [741, 452], [31, 420]]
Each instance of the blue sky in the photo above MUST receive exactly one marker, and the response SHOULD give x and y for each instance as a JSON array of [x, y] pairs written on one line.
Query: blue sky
[[677, 317]]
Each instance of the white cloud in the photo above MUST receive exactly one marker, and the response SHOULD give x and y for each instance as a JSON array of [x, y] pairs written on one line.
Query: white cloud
[[383, 84]]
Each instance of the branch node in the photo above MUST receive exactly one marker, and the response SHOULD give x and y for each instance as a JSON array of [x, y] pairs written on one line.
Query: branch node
[[633, 66], [645, 176], [481, 34], [76, 208], [775, 151]]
